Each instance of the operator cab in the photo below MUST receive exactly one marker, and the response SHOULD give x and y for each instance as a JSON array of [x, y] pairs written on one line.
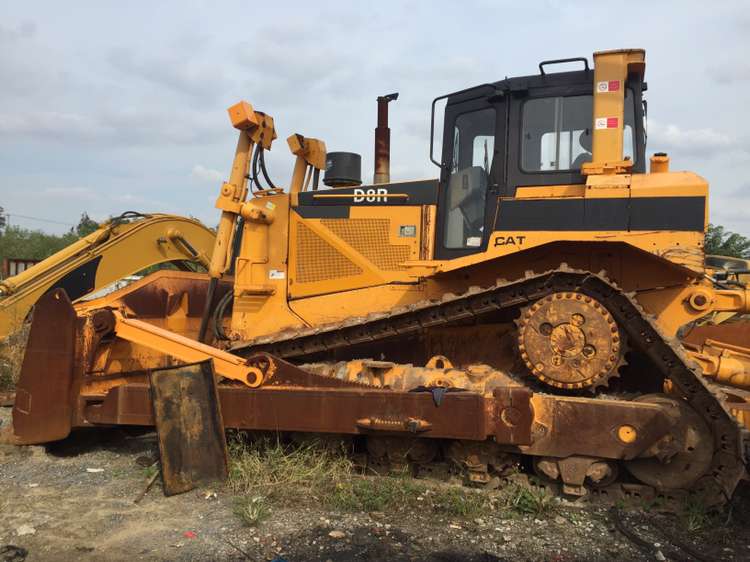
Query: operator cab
[[526, 131]]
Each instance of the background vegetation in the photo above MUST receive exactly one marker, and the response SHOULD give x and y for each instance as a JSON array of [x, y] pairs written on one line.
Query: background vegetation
[[23, 243], [722, 242]]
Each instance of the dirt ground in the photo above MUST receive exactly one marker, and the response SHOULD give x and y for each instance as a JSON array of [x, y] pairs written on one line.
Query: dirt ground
[[75, 501]]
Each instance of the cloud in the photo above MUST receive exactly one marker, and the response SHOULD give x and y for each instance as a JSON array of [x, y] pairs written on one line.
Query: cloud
[[704, 142], [89, 195], [23, 30], [201, 173], [22, 78], [104, 127], [51, 124], [743, 191], [730, 73], [181, 73], [731, 212], [82, 193]]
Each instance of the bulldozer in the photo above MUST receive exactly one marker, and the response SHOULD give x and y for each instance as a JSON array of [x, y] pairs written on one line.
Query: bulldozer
[[524, 308]]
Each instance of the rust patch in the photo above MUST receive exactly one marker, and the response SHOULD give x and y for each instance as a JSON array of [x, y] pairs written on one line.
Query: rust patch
[[42, 410], [462, 415], [187, 414], [514, 416]]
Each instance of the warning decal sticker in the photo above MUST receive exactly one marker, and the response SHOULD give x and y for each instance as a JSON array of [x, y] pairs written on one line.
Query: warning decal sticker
[[608, 86], [605, 123]]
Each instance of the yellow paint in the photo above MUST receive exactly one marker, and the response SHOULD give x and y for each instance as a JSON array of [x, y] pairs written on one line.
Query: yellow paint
[[261, 272], [627, 434], [612, 67], [367, 249], [553, 191], [185, 349]]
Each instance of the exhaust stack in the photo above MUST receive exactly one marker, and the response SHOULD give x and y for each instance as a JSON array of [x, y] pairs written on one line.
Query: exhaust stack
[[383, 141]]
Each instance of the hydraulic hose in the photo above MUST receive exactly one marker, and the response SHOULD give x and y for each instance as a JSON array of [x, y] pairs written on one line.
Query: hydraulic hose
[[212, 283], [218, 315], [254, 169], [263, 169]]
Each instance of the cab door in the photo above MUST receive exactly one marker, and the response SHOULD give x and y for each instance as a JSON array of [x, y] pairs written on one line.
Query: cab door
[[473, 140]]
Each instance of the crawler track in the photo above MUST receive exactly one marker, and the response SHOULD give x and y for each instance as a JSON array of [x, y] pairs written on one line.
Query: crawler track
[[716, 485]]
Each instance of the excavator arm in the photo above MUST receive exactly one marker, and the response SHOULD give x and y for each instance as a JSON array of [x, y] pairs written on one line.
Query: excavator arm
[[119, 248]]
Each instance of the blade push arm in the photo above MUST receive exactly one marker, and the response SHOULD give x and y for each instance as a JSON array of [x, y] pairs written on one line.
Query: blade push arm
[[256, 129]]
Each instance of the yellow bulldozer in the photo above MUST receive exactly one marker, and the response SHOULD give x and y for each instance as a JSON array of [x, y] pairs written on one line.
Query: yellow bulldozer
[[525, 308]]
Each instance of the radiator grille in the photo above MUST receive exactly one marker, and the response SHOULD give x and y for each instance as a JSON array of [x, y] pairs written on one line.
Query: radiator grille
[[369, 237], [317, 260]]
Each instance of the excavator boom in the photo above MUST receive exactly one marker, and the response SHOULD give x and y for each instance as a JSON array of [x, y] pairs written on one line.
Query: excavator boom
[[121, 247]]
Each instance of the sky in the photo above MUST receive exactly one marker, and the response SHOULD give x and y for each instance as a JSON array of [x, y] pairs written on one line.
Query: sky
[[107, 107]]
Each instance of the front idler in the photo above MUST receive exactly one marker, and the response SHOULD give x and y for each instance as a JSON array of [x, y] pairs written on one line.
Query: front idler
[[679, 459]]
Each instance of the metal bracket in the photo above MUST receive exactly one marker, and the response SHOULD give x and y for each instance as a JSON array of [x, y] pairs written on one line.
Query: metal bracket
[[513, 415]]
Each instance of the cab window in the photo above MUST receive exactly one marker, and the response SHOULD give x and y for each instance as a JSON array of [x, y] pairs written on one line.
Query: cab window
[[557, 135], [470, 166]]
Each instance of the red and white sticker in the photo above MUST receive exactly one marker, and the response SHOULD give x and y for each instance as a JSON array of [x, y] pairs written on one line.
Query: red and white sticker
[[605, 123], [608, 86]]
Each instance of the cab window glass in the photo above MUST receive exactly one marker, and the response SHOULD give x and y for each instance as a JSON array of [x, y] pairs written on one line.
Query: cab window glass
[[628, 133], [470, 166], [557, 135]]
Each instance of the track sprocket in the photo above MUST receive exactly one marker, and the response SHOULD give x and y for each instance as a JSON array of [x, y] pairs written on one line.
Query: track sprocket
[[569, 340]]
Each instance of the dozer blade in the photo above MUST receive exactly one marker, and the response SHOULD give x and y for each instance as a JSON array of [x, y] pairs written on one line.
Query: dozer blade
[[42, 410], [190, 430]]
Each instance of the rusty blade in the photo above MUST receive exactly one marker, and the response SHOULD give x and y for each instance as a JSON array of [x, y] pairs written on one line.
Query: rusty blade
[[43, 408], [189, 426]]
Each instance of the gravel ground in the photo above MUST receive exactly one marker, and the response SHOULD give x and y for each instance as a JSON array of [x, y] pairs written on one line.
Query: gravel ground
[[75, 501]]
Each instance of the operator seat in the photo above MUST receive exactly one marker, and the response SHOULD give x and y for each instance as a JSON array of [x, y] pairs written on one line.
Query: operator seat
[[585, 141]]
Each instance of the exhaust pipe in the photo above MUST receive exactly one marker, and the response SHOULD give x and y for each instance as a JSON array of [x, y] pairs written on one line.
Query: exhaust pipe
[[383, 141]]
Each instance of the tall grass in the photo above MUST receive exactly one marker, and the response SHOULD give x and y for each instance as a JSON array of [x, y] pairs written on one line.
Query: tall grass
[[285, 472], [269, 472]]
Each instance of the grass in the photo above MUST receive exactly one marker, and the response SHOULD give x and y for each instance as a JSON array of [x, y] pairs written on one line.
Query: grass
[[252, 510], [268, 473], [285, 472], [460, 502], [379, 493], [149, 471], [695, 516], [528, 501]]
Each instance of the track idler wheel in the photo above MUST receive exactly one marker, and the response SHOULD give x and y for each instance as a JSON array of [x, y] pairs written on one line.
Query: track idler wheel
[[679, 460], [478, 459], [574, 472], [570, 340]]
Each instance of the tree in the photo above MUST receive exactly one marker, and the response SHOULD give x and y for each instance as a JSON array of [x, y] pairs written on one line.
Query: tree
[[17, 242], [86, 225], [722, 242]]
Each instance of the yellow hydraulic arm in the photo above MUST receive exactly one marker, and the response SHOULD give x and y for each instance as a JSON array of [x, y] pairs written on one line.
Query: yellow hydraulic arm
[[119, 248], [186, 350], [256, 133]]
